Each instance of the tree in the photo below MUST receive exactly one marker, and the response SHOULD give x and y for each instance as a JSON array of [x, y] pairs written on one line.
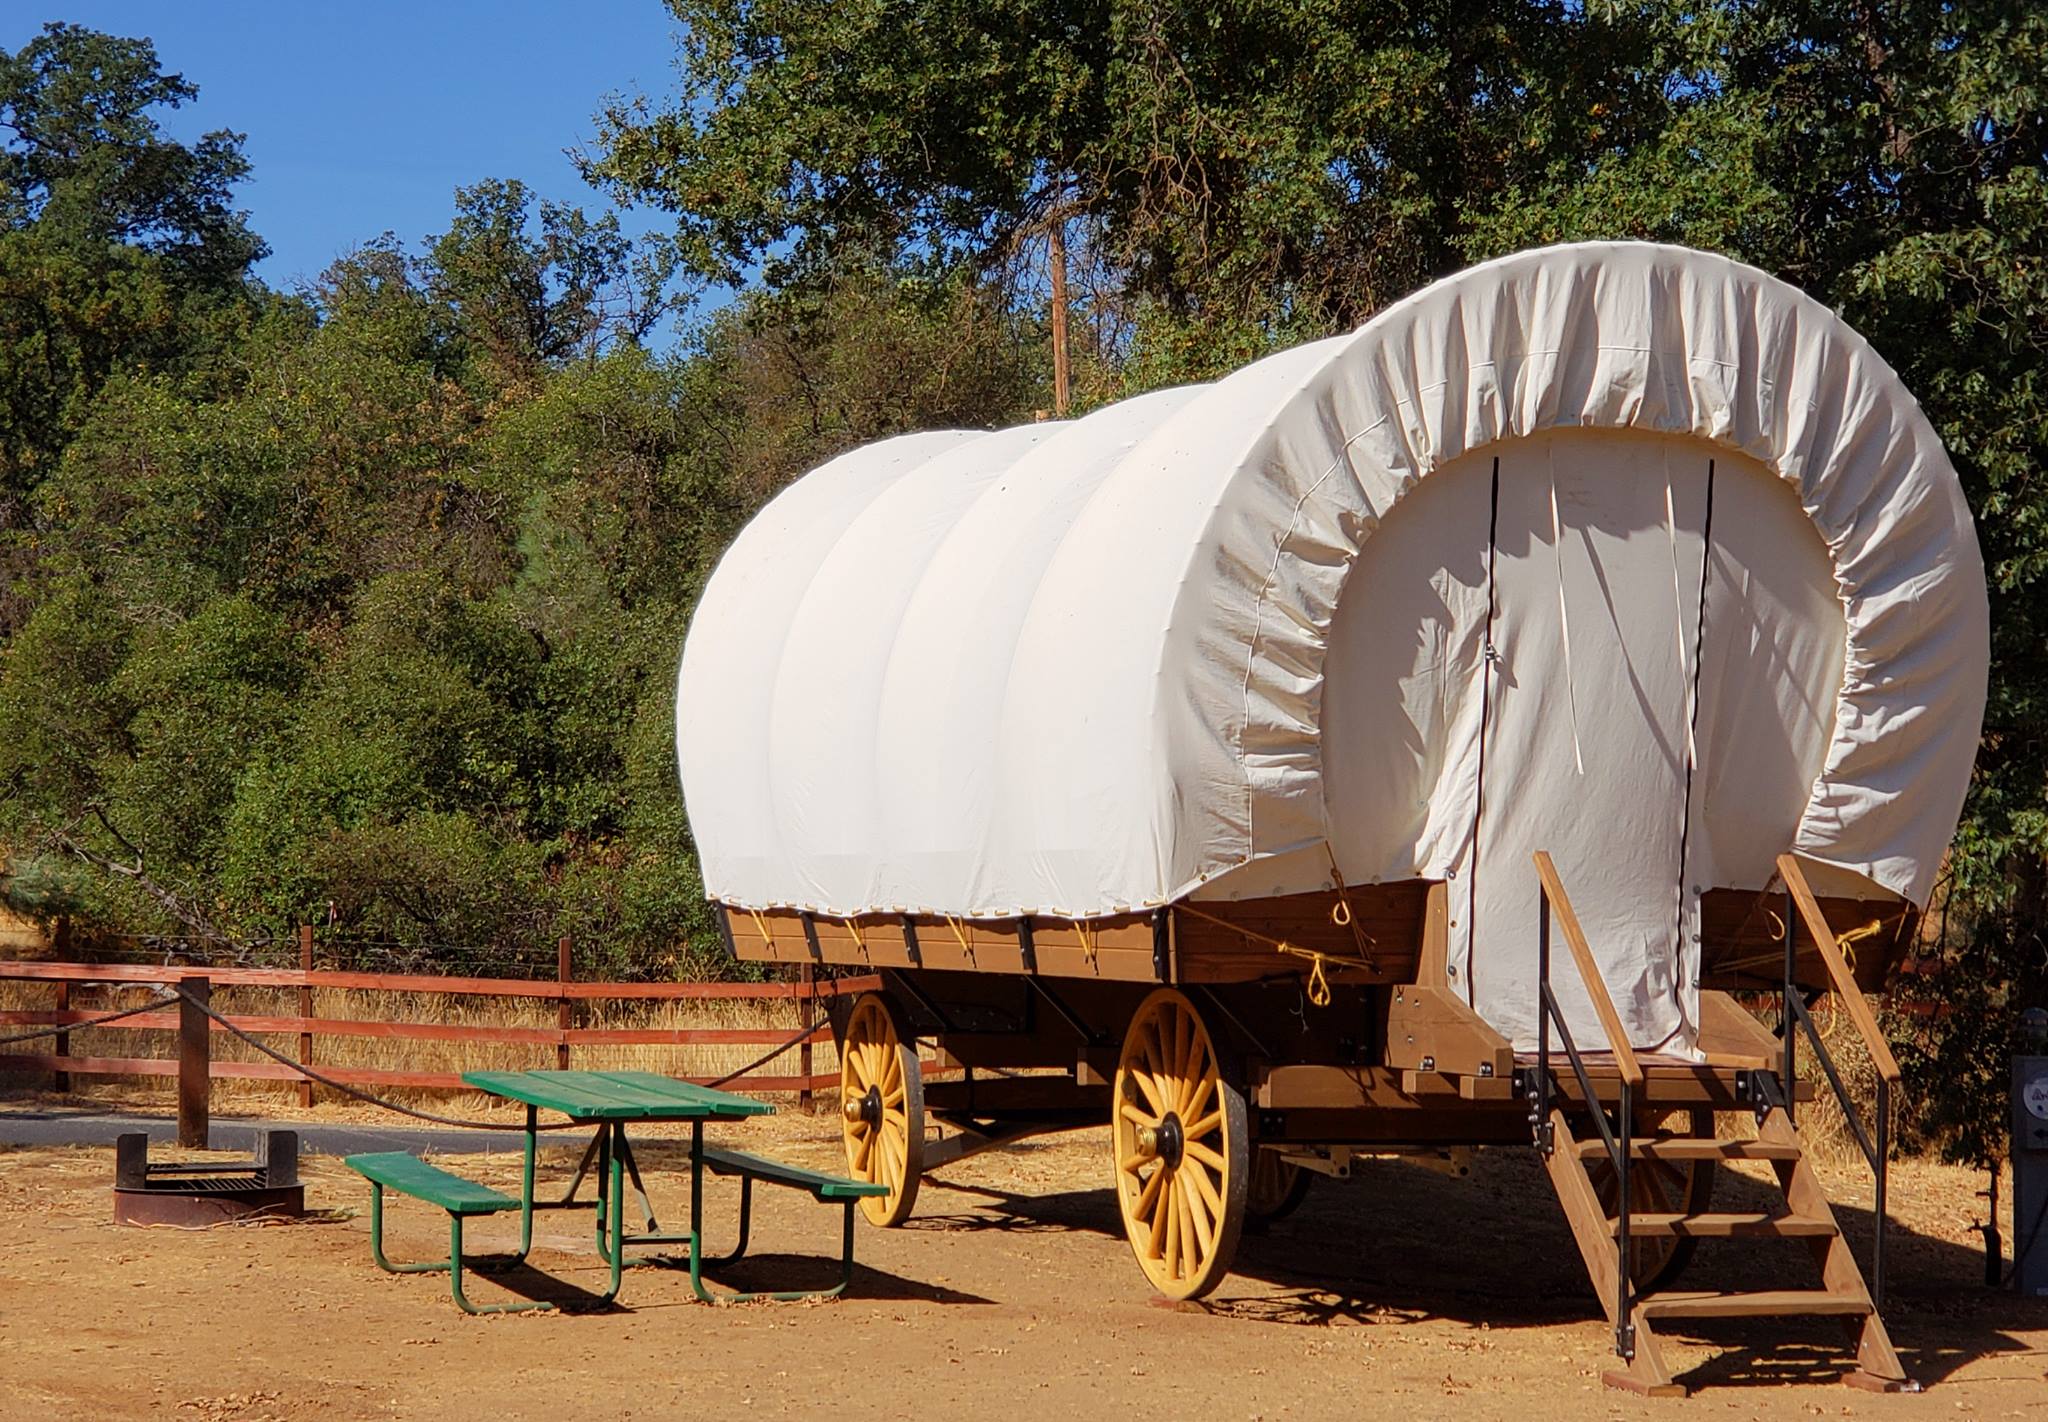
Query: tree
[[523, 300], [119, 247], [1263, 170]]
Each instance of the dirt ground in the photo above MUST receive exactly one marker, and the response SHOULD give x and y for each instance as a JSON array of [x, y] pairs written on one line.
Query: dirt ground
[[1397, 1293]]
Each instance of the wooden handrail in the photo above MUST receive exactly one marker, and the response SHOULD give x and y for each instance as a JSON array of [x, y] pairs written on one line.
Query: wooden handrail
[[1843, 980], [1589, 971]]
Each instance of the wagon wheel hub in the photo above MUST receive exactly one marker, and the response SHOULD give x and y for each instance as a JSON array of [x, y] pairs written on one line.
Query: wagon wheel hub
[[864, 1109], [1167, 1140]]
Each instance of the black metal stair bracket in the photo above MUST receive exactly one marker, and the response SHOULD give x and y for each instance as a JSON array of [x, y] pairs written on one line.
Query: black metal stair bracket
[[1613, 1138]]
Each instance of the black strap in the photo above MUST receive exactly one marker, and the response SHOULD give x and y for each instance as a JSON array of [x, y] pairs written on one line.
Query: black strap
[[1486, 660], [1699, 660]]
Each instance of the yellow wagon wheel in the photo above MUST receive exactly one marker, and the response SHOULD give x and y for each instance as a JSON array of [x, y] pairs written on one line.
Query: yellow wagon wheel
[[1277, 1187], [881, 1104], [1671, 1187], [1181, 1148]]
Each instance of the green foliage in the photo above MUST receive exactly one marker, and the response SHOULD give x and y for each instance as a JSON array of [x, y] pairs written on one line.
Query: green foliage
[[368, 612], [521, 300], [364, 606], [1262, 169]]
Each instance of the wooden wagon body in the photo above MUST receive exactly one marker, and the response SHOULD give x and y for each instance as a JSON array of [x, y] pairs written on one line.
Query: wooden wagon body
[[1225, 766]]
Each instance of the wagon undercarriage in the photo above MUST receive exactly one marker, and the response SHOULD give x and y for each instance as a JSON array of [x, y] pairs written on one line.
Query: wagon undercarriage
[[1238, 1050]]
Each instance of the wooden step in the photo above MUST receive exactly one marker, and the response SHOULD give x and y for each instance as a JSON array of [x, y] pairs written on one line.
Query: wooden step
[[1772, 1303], [1717, 1225], [1676, 1148]]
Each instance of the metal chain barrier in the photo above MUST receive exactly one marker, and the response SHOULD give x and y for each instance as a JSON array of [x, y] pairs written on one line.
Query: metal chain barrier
[[384, 1103], [89, 1022]]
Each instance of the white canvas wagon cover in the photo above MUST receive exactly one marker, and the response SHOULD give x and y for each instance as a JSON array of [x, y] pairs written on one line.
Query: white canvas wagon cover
[[1625, 551]]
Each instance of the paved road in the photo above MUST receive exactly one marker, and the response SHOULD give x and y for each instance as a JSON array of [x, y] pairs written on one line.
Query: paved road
[[58, 1126]]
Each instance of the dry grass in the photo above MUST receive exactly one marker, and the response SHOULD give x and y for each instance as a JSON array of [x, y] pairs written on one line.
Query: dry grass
[[1820, 1121], [1822, 1124], [402, 1054]]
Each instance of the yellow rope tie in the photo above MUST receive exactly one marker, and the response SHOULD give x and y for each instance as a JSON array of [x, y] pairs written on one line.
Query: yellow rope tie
[[761, 927], [1318, 976], [1847, 941], [960, 935], [1318, 984], [1342, 915], [860, 940], [1087, 943]]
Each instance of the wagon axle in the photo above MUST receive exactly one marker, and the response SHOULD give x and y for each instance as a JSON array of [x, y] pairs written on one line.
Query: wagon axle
[[863, 1109], [1163, 1142]]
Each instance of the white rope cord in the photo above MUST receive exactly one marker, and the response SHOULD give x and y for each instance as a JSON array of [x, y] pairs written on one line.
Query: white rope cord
[[1564, 620]]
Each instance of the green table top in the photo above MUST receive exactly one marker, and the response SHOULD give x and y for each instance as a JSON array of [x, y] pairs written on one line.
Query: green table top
[[615, 1095]]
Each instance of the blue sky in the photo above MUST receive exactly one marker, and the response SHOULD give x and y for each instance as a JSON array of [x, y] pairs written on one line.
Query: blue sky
[[365, 117]]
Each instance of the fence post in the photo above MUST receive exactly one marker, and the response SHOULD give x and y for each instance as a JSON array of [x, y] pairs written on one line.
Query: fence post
[[194, 1061], [807, 994], [306, 1010], [60, 1080], [563, 1013]]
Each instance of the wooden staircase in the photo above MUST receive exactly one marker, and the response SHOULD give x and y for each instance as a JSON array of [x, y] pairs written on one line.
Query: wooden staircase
[[1807, 1216], [1655, 1199]]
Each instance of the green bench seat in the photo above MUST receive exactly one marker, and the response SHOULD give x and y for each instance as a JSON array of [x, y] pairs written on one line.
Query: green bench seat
[[409, 1175], [826, 1189], [775, 1172]]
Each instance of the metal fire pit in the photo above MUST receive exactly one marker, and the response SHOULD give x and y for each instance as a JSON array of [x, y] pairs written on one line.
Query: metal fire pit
[[196, 1195]]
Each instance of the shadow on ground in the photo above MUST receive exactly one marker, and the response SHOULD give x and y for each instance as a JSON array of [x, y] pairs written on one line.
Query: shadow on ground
[[1400, 1243]]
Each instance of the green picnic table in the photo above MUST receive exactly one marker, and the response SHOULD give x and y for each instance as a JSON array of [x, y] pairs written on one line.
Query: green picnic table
[[610, 1101]]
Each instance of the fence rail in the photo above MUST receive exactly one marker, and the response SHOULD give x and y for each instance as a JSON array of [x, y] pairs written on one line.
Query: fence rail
[[806, 994]]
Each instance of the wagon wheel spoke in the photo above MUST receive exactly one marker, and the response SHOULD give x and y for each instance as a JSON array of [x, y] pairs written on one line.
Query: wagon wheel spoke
[[1199, 1174], [1148, 1192], [1157, 1215], [1196, 1210], [1150, 1090], [1652, 1193], [1192, 1076]]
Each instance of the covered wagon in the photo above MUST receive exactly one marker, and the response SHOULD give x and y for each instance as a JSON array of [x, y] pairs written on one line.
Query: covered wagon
[[1411, 740]]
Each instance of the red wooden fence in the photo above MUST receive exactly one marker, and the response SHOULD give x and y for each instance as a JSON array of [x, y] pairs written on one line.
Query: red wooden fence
[[563, 1037]]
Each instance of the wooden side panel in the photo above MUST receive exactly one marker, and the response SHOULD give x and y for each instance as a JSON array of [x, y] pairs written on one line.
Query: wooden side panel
[[1220, 941], [1209, 941], [1118, 949], [1742, 948]]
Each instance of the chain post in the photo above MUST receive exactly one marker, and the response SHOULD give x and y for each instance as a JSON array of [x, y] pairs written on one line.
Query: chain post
[[564, 1011], [195, 1063], [306, 1011]]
